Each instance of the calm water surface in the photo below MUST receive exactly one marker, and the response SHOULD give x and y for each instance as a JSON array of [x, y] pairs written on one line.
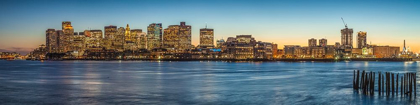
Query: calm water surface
[[144, 82]]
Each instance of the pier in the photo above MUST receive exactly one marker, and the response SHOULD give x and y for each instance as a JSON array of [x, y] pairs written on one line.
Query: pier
[[387, 84]]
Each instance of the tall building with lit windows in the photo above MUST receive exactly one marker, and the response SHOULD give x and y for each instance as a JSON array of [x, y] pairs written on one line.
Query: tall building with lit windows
[[184, 37], [312, 42], [67, 39], [171, 37], [154, 36], [177, 37], [109, 36], [119, 40], [51, 41], [110, 32], [95, 39], [135, 37], [127, 34], [206, 37], [323, 42], [361, 39]]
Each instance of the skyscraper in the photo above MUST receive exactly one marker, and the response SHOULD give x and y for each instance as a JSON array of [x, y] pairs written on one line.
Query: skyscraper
[[95, 39], [177, 37], [154, 36], [135, 38], [361, 39], [171, 37], [109, 36], [127, 34], [51, 40], [110, 32], [206, 37], [184, 37], [323, 42], [68, 36], [347, 38], [312, 42], [118, 42], [64, 24]]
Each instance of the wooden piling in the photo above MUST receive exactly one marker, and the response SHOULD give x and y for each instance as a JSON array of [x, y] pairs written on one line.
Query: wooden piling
[[410, 84], [362, 80], [415, 84], [401, 91], [373, 84], [392, 83], [357, 80], [396, 90], [354, 77], [383, 84], [366, 83], [379, 83], [405, 83]]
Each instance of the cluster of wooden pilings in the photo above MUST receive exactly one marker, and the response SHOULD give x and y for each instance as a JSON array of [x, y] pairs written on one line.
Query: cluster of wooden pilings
[[388, 83]]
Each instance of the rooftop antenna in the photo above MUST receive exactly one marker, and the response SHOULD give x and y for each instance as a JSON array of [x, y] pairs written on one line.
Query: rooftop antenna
[[344, 22]]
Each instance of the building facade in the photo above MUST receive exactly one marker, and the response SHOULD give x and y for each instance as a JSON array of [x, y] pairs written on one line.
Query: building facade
[[361, 39], [323, 42], [206, 37], [154, 36], [347, 38], [177, 37], [51, 41], [312, 42]]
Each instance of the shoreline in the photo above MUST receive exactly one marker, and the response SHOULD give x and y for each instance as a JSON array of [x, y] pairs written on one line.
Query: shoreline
[[258, 60]]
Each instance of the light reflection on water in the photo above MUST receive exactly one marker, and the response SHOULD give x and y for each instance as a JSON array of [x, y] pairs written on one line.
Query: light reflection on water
[[200, 82]]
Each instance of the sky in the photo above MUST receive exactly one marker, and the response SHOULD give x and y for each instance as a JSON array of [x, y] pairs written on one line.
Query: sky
[[290, 22]]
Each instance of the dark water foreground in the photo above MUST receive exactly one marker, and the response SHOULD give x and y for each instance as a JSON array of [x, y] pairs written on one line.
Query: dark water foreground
[[194, 82]]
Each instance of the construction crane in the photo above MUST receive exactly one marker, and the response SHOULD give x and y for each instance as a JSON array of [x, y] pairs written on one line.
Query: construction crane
[[344, 22]]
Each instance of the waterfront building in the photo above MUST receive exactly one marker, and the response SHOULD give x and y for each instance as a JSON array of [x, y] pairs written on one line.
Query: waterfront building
[[68, 32], [323, 42], [206, 37], [109, 36], [78, 44], [263, 50], [51, 41], [241, 47], [219, 43], [119, 40], [127, 34], [154, 36], [318, 52], [361, 39], [386, 51], [142, 41], [275, 50], [184, 37], [135, 38], [95, 39], [337, 45], [347, 38], [177, 37], [61, 41], [110, 32], [38, 53], [312, 42], [291, 51]]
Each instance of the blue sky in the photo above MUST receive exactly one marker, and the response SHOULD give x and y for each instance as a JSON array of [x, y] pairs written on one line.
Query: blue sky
[[290, 22]]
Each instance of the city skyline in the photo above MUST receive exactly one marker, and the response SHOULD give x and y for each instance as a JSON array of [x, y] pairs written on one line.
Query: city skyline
[[293, 27]]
